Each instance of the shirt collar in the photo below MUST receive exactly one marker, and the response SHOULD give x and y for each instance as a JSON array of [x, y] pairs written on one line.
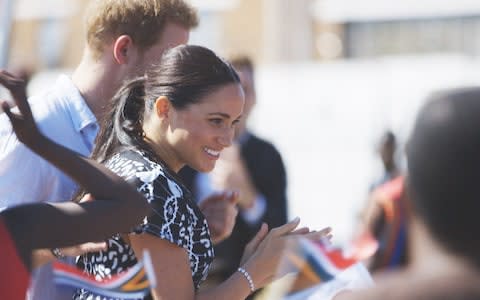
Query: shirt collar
[[78, 109]]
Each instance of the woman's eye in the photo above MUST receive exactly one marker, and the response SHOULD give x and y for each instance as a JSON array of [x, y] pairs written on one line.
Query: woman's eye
[[216, 121]]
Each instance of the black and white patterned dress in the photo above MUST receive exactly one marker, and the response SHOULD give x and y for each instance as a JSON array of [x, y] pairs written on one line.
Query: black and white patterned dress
[[176, 218]]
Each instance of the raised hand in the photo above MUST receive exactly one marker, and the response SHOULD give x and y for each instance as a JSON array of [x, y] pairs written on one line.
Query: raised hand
[[231, 173], [262, 264], [220, 212], [22, 123], [266, 251], [252, 246]]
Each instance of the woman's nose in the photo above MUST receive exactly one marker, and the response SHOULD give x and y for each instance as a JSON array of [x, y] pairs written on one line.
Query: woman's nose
[[226, 139]]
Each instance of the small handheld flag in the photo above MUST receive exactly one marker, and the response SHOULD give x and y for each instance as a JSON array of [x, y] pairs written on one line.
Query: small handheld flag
[[136, 282], [320, 261]]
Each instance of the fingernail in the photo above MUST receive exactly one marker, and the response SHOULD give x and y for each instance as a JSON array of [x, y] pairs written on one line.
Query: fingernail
[[297, 219]]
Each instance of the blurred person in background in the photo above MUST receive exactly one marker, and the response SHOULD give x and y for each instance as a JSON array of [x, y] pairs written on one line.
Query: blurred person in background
[[124, 38], [384, 217], [442, 185], [254, 169]]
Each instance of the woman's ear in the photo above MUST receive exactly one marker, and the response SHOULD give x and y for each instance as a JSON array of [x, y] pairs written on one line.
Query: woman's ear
[[122, 49], [162, 106]]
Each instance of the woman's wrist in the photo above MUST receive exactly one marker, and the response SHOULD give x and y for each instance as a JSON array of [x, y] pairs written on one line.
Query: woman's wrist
[[256, 273], [248, 278]]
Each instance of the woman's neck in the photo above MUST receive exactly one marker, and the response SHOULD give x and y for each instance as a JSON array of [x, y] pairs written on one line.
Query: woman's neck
[[165, 154]]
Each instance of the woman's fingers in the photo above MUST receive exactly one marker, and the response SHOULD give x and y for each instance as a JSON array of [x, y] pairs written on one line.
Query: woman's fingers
[[325, 231], [258, 238], [301, 230], [286, 228], [314, 235], [252, 246]]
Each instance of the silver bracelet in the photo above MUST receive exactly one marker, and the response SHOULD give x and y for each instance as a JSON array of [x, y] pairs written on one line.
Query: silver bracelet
[[248, 277], [57, 253]]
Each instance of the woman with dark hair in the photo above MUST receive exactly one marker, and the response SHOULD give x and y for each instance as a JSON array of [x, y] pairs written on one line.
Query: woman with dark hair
[[26, 228], [183, 112]]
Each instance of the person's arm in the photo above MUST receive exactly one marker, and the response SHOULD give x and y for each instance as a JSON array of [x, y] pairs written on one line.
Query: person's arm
[[173, 267], [44, 256], [38, 225]]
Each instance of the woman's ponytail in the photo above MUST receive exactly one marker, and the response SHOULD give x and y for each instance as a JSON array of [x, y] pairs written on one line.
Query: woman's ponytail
[[122, 124]]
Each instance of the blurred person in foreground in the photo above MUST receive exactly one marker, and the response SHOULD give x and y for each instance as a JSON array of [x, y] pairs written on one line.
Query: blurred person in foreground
[[443, 190], [252, 167], [124, 38], [27, 227]]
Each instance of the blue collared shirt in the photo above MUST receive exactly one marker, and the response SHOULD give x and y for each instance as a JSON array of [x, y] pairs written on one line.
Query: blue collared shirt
[[62, 115]]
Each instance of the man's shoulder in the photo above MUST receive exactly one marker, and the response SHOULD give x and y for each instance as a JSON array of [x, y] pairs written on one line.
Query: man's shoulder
[[257, 141], [258, 146]]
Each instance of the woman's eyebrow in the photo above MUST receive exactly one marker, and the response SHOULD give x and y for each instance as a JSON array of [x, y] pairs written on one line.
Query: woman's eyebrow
[[224, 115]]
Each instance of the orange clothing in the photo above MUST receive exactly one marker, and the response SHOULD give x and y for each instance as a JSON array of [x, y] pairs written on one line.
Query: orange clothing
[[391, 231]]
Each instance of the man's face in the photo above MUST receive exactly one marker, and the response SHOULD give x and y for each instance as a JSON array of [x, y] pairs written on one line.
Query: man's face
[[248, 85], [172, 36], [246, 78]]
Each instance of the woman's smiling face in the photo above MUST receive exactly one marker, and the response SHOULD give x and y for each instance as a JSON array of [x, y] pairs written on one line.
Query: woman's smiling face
[[199, 132]]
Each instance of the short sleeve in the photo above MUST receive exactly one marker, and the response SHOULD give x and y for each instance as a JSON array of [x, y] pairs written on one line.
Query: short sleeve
[[173, 219]]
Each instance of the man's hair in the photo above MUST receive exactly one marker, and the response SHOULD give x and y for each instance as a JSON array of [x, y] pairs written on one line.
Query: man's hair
[[241, 62], [444, 170], [142, 20]]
